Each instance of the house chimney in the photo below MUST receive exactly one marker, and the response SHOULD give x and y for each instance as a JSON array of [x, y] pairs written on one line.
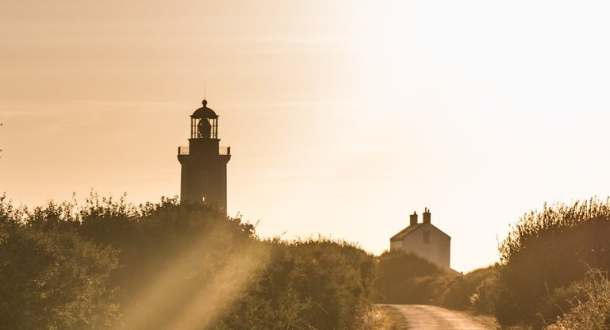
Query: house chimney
[[426, 215], [413, 218]]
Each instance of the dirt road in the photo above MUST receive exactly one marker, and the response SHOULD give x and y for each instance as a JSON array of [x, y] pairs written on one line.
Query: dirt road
[[424, 317]]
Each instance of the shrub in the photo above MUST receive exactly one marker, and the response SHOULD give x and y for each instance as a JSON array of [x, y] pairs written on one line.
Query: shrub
[[546, 251], [53, 279], [472, 291], [591, 304], [170, 265], [487, 294], [404, 278], [314, 284]]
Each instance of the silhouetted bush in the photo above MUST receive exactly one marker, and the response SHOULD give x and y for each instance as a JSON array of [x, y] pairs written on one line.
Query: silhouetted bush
[[404, 278], [487, 292], [547, 251], [474, 291], [52, 278], [589, 301], [314, 284], [170, 265]]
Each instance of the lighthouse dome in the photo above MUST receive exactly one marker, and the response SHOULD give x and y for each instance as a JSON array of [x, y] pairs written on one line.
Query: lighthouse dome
[[204, 112]]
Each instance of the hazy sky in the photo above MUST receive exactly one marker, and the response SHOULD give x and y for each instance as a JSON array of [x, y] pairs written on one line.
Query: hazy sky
[[343, 117]]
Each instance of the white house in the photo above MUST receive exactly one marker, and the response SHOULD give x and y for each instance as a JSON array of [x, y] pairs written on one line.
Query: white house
[[424, 240]]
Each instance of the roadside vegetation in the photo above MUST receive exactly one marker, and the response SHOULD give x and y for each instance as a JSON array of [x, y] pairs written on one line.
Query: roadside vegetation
[[383, 318], [108, 264], [404, 278], [554, 263], [111, 265], [553, 273]]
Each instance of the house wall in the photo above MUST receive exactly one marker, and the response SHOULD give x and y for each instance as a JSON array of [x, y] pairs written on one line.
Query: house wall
[[395, 245], [429, 243]]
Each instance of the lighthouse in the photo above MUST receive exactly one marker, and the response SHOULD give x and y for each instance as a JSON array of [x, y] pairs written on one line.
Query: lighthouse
[[204, 161]]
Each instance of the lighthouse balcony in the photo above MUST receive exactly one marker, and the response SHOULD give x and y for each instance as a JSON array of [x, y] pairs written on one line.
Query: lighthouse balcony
[[185, 151], [224, 151]]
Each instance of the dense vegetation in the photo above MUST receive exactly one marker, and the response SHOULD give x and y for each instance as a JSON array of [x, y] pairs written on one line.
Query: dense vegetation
[[111, 265], [404, 278], [553, 273], [545, 259], [589, 303]]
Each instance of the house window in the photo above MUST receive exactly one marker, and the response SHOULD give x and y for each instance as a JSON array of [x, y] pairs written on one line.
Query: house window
[[426, 237]]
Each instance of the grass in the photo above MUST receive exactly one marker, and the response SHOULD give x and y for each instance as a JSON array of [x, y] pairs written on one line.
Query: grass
[[489, 322], [383, 318]]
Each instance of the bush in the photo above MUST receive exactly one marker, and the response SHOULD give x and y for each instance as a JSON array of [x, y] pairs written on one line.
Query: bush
[[53, 279], [546, 251], [473, 291], [170, 265], [314, 284], [404, 278], [591, 304], [487, 294]]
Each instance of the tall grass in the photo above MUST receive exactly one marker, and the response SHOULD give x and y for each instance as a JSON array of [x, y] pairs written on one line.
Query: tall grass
[[590, 304]]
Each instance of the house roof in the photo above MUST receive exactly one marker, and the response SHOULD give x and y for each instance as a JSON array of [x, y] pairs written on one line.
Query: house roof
[[409, 230]]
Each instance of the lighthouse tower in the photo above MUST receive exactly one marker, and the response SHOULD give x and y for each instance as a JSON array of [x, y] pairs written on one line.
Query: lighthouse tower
[[204, 162]]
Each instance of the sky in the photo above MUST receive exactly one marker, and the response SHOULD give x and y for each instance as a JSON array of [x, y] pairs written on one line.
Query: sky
[[343, 117]]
